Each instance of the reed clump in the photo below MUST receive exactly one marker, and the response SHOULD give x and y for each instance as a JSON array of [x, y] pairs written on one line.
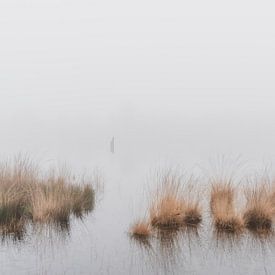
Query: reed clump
[[82, 198], [168, 206], [141, 229], [13, 195], [50, 202], [259, 209], [192, 214], [57, 198], [193, 211], [27, 194], [222, 208], [174, 204]]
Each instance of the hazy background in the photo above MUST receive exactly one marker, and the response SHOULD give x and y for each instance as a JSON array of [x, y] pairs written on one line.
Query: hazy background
[[165, 78]]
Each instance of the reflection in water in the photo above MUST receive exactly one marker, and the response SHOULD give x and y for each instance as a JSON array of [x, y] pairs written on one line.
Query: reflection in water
[[168, 249], [236, 240], [264, 241], [226, 241], [18, 229], [13, 231], [174, 247], [51, 235], [58, 229], [231, 250], [169, 241], [142, 242]]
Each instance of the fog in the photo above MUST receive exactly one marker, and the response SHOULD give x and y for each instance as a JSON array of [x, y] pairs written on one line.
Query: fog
[[175, 83], [185, 75]]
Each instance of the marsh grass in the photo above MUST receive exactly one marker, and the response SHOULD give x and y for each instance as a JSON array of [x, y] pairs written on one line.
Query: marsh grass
[[225, 216], [27, 194], [141, 229], [192, 215], [49, 202], [168, 206], [82, 199], [175, 203], [259, 210], [57, 198], [193, 210]]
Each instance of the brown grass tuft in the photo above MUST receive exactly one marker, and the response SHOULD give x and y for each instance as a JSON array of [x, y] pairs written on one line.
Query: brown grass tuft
[[193, 212], [167, 208], [141, 229], [82, 199], [50, 202], [259, 209], [222, 208], [192, 215], [25, 193], [58, 198], [175, 203]]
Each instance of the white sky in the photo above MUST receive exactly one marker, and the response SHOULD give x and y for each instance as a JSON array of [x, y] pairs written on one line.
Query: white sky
[[88, 70], [55, 46]]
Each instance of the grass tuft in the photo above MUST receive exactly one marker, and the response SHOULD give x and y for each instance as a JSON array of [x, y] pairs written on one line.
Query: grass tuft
[[167, 208], [222, 208], [141, 229], [259, 209], [26, 194], [192, 215]]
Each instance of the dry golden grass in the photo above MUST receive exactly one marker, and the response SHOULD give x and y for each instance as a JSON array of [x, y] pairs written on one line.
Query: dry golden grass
[[175, 203], [50, 203], [259, 209], [222, 208], [168, 206], [27, 194], [141, 229], [57, 199], [11, 203], [192, 214], [193, 211], [167, 211], [13, 195], [82, 198]]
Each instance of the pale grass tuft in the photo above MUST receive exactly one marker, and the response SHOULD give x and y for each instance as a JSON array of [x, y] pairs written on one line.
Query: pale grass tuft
[[25, 193], [259, 209], [192, 214], [193, 210], [141, 229], [222, 208], [167, 208]]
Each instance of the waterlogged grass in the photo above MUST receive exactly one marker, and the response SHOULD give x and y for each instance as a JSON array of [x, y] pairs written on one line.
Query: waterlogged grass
[[171, 207], [167, 206], [259, 210], [174, 207], [192, 215], [57, 199], [225, 216], [28, 195], [141, 229]]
